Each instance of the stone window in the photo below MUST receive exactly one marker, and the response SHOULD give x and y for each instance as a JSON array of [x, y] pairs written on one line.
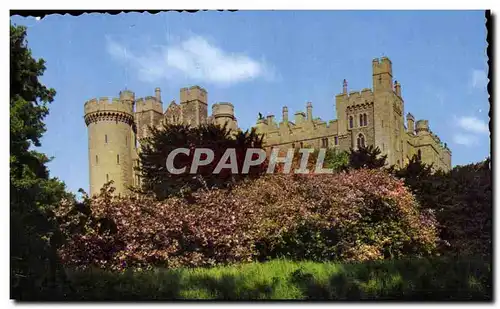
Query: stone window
[[336, 140], [365, 120], [419, 154], [361, 123], [106, 138], [361, 140], [107, 177], [96, 159], [117, 159], [324, 143], [351, 122]]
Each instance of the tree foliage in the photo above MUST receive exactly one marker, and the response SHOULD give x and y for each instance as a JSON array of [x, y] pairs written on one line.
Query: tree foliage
[[157, 179], [35, 271], [366, 157], [462, 201]]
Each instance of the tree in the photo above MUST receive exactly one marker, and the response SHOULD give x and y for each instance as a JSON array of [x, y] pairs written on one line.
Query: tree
[[366, 157], [157, 179], [36, 273]]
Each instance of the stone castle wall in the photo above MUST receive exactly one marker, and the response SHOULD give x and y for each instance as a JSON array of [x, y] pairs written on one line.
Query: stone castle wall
[[371, 117]]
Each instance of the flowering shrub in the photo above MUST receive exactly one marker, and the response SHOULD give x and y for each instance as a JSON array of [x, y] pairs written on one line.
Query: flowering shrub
[[364, 214]]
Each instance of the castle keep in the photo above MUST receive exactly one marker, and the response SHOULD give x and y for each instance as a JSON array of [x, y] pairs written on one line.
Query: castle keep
[[367, 117]]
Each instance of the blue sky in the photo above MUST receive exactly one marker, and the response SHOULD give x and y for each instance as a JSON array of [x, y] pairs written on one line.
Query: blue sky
[[260, 61]]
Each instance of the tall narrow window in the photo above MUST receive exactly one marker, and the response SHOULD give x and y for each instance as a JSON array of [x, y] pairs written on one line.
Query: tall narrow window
[[361, 141], [96, 159], [365, 120], [419, 153], [118, 159], [336, 140], [351, 122], [361, 120], [324, 143], [107, 177], [106, 138]]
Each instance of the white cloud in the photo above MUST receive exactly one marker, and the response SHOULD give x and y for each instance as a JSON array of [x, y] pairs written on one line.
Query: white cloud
[[465, 139], [195, 59], [479, 79], [473, 125]]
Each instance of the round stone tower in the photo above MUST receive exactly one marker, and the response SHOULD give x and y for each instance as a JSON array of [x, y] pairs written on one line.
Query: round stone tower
[[110, 141], [224, 113], [422, 127]]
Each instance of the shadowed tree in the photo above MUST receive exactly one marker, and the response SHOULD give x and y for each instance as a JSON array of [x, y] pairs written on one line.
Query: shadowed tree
[[157, 179], [366, 157], [35, 273]]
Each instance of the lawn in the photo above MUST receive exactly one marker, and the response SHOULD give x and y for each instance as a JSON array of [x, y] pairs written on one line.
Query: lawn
[[409, 279]]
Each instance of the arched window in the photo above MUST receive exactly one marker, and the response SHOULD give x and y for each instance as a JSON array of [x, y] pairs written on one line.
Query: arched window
[[361, 140], [361, 120], [365, 120], [351, 122]]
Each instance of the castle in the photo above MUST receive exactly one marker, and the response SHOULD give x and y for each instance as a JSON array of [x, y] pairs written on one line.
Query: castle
[[367, 117]]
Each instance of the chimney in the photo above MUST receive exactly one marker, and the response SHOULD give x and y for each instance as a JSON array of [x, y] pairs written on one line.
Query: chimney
[[410, 120], [158, 94], [285, 114], [309, 111], [397, 88]]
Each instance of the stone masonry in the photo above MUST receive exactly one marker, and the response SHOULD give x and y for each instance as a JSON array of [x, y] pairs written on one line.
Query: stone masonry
[[367, 117]]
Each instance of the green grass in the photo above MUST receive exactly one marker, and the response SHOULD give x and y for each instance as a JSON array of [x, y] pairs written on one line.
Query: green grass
[[412, 279]]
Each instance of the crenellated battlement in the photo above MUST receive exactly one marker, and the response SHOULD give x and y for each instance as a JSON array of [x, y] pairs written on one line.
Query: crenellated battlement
[[108, 104], [223, 109], [382, 65], [148, 103], [360, 97], [193, 93]]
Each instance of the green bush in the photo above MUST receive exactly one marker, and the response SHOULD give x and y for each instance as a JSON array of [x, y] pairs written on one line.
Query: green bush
[[410, 279]]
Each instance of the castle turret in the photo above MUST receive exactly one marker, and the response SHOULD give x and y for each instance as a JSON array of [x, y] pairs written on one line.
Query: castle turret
[[149, 112], [223, 113], [309, 108], [110, 135], [285, 114], [422, 127], [397, 88], [194, 105], [158, 94], [410, 120], [382, 74]]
